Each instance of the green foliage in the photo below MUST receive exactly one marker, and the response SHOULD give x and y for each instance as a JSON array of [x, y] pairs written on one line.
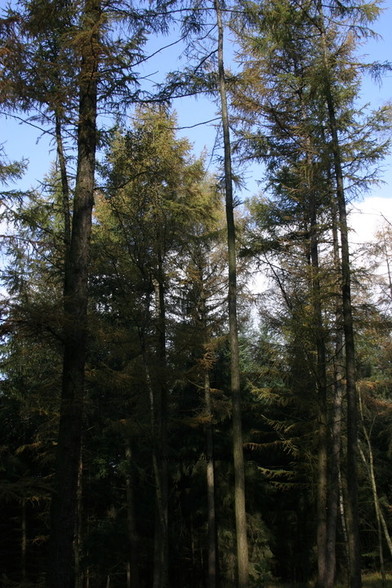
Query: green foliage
[[157, 299]]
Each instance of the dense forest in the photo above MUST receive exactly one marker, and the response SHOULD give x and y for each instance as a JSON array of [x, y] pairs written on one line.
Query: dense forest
[[161, 424]]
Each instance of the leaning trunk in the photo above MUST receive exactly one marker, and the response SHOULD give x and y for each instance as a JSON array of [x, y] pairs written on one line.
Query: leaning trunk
[[369, 463], [64, 502]]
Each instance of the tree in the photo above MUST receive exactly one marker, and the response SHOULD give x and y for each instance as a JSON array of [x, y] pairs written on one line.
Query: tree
[[239, 471], [304, 142], [155, 195], [200, 334], [31, 345], [81, 46]]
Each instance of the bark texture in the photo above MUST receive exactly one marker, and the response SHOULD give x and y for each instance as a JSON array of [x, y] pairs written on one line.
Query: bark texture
[[64, 502], [238, 454]]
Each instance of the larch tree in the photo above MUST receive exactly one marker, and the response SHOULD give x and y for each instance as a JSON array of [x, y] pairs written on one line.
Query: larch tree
[[80, 52], [155, 195], [201, 334], [235, 380], [64, 504], [296, 69], [132, 327], [331, 42]]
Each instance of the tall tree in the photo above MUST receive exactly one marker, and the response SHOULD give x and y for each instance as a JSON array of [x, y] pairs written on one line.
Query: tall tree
[[155, 195], [64, 504], [203, 290], [33, 278], [78, 60], [238, 455], [302, 123]]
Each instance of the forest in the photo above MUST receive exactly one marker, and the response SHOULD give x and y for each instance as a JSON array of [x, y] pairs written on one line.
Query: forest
[[195, 384]]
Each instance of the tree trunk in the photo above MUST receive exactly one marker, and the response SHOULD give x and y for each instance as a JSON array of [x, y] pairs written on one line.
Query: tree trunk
[[352, 515], [376, 509], [333, 483], [343, 520], [349, 347], [132, 570], [238, 455], [64, 501], [321, 383], [161, 546], [160, 519], [78, 525], [157, 391], [336, 422], [369, 463], [23, 541], [64, 187], [210, 473]]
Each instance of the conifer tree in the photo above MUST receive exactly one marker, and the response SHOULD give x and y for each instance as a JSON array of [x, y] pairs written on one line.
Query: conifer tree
[[238, 455], [303, 139], [155, 196], [77, 63]]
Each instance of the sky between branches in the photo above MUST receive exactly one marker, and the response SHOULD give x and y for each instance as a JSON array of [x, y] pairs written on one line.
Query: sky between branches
[[23, 140]]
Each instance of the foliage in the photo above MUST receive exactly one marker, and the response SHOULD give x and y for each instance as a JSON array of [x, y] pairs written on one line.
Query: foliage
[[157, 374]]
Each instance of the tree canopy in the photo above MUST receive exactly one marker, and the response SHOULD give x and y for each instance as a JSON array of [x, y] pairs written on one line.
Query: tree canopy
[[161, 423]]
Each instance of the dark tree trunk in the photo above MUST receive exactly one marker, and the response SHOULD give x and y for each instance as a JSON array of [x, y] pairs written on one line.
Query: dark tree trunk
[[336, 423], [349, 347], [64, 187], [78, 526], [321, 386], [162, 538], [238, 455], [210, 474], [64, 501], [23, 542], [132, 570], [160, 441], [352, 515]]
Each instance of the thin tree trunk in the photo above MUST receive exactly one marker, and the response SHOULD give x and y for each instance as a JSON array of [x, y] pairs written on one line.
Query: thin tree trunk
[[132, 570], [161, 570], [376, 503], [23, 541], [334, 494], [319, 338], [78, 530], [369, 463], [238, 455], [156, 464], [348, 329], [64, 186], [193, 549], [210, 473], [343, 519], [157, 392], [64, 502], [349, 346], [336, 424], [386, 531]]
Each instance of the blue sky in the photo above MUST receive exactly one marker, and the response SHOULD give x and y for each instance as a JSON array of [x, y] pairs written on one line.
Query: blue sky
[[21, 140]]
